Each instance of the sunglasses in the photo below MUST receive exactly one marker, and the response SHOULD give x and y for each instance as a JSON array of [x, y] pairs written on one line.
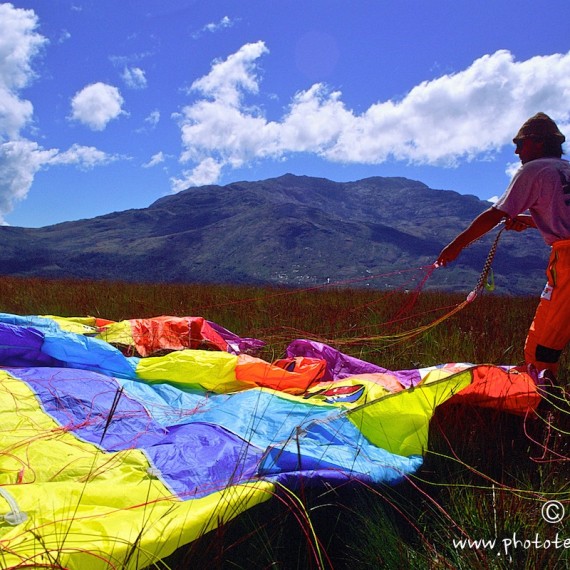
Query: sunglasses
[[520, 142]]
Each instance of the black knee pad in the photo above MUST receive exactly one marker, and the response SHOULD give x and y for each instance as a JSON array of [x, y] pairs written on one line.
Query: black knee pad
[[545, 354]]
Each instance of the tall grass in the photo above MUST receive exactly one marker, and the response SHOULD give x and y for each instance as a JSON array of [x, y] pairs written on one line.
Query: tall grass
[[491, 329], [486, 474]]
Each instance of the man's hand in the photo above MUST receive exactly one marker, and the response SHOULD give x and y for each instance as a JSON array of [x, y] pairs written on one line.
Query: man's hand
[[519, 223], [448, 254]]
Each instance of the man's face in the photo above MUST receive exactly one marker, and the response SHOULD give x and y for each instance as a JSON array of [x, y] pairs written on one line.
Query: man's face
[[529, 149]]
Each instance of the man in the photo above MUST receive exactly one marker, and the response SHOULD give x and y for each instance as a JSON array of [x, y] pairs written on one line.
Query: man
[[541, 186]]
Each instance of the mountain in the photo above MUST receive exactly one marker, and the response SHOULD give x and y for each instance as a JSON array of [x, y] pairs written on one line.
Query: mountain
[[291, 230]]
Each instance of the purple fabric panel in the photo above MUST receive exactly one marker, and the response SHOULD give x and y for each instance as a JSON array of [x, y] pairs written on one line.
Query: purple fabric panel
[[81, 401], [340, 365], [237, 344], [21, 346], [408, 378], [196, 459], [311, 479]]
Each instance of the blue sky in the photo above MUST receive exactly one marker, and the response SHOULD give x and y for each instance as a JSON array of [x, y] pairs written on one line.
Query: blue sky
[[107, 105]]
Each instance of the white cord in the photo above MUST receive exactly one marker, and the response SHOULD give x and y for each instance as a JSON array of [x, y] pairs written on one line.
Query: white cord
[[15, 516]]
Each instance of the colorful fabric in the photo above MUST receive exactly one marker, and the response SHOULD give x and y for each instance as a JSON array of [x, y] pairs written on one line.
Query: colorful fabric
[[116, 460]]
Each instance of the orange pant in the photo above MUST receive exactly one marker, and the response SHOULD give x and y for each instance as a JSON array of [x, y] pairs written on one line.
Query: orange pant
[[549, 332]]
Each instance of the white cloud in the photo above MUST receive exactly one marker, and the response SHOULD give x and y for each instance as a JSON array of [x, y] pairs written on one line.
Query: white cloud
[[96, 105], [86, 157], [19, 43], [154, 160], [134, 77], [19, 162], [225, 22], [15, 114], [463, 116], [460, 116], [20, 158], [512, 167], [228, 78], [153, 118], [150, 122], [63, 37], [207, 172], [213, 27]]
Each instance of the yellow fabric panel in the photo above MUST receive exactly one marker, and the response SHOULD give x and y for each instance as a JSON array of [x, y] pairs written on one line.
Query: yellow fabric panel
[[78, 325], [87, 508], [117, 333], [33, 443], [96, 526], [213, 371], [399, 422]]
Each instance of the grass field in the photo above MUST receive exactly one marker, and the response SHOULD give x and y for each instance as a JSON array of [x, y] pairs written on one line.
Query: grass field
[[476, 502]]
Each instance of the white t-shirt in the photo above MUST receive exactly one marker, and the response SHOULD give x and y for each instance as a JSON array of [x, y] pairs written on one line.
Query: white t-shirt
[[541, 186]]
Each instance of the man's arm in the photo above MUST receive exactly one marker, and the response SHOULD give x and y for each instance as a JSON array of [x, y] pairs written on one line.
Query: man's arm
[[483, 223]]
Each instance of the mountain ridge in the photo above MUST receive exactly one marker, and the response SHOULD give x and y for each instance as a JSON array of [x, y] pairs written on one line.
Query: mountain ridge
[[290, 230]]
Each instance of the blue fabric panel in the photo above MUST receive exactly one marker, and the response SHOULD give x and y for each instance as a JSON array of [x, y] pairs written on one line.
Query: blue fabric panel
[[259, 416], [86, 353], [20, 346], [337, 445], [69, 349], [40, 323], [167, 404]]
